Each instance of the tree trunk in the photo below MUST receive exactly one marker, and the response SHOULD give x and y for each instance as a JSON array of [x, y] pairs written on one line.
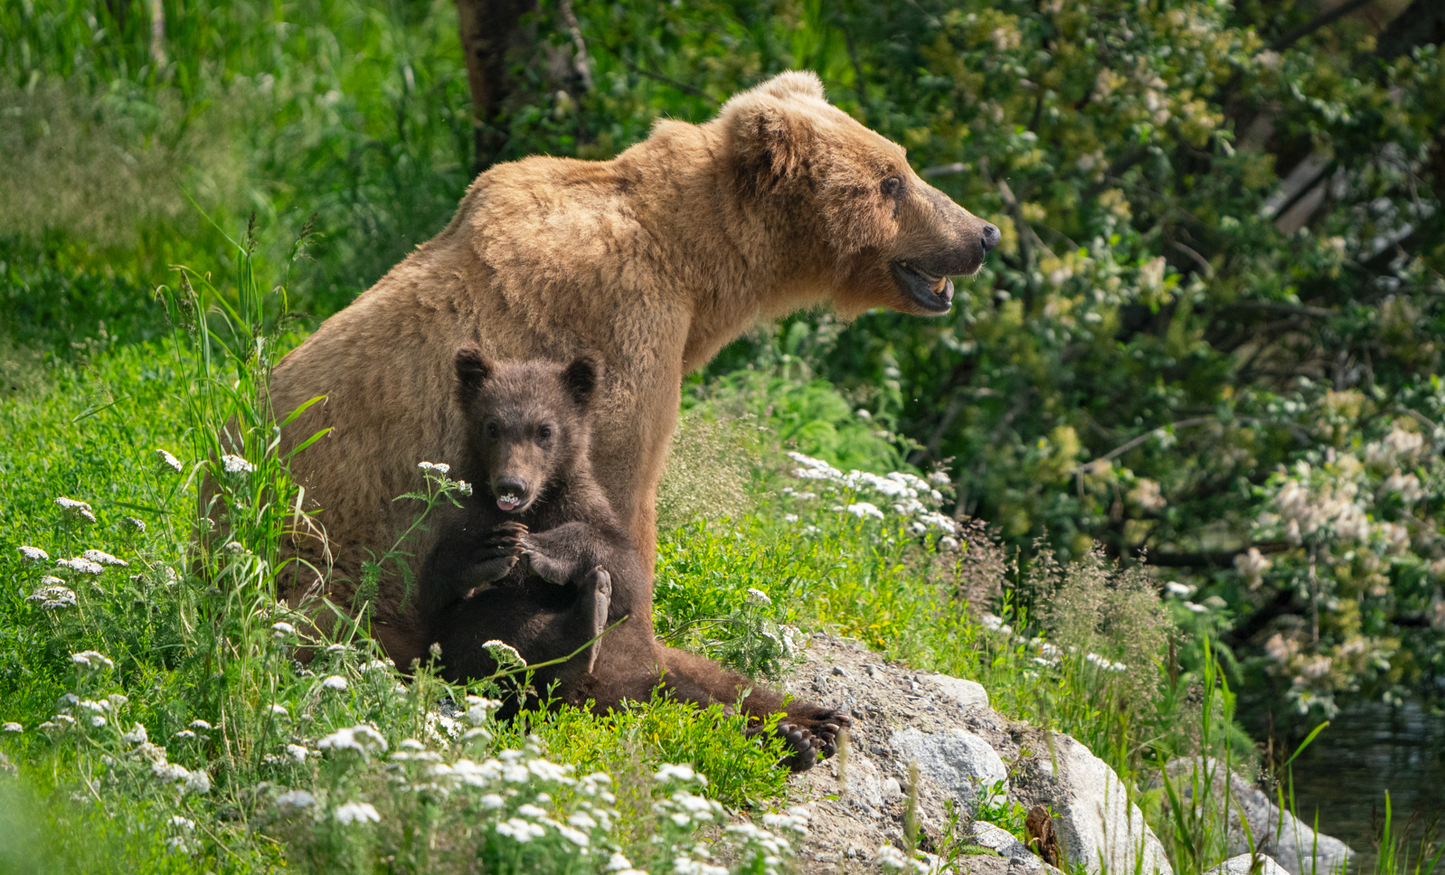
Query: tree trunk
[[491, 32]]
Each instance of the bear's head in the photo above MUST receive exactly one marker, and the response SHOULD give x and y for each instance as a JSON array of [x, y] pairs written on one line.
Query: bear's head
[[883, 236], [527, 423]]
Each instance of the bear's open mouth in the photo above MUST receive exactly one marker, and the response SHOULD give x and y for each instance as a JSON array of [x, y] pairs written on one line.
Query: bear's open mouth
[[932, 293]]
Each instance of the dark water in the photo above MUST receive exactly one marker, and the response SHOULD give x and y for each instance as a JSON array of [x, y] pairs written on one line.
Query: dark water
[[1363, 753]]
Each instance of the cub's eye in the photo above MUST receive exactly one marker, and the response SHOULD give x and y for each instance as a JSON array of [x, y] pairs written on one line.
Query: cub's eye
[[545, 433], [493, 431], [892, 186]]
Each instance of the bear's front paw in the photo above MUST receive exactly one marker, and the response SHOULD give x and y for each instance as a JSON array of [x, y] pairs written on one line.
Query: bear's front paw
[[828, 728]]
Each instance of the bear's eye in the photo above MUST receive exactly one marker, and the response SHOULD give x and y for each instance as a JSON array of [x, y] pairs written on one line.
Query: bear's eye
[[892, 186], [545, 432], [493, 431]]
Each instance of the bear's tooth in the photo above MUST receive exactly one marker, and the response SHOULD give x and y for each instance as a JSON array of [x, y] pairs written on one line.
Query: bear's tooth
[[938, 286]]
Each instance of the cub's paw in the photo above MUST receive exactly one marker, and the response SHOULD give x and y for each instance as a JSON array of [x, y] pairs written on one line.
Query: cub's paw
[[802, 743], [828, 727]]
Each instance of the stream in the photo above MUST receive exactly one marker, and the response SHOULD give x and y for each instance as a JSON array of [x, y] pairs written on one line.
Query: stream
[[1363, 753]]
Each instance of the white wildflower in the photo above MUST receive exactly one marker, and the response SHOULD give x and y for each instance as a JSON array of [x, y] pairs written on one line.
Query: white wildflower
[[296, 799], [617, 863], [679, 772], [939, 477], [335, 682], [198, 723], [80, 564], [53, 595], [283, 630], [184, 735], [479, 709], [97, 721], [91, 660], [863, 509], [363, 739], [297, 752], [35, 554], [139, 524], [75, 508], [137, 735], [178, 844], [505, 655], [236, 465], [182, 822], [12, 727], [521, 830], [439, 467], [491, 800], [1183, 590], [357, 812], [758, 597], [947, 544], [890, 857], [198, 781], [279, 711], [1195, 607], [464, 487], [101, 557], [169, 461], [790, 517]]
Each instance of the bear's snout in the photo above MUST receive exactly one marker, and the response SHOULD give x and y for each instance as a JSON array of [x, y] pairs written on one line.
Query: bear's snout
[[990, 237]]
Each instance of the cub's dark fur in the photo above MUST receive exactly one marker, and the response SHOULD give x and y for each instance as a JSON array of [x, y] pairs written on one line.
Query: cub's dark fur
[[535, 558]]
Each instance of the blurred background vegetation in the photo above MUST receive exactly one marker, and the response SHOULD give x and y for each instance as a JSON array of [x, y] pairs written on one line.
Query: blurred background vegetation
[[1210, 340]]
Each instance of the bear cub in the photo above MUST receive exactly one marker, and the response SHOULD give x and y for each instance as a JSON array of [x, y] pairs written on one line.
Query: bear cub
[[530, 557], [535, 558]]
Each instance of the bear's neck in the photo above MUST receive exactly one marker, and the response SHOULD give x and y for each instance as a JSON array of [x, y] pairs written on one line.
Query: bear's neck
[[737, 253]]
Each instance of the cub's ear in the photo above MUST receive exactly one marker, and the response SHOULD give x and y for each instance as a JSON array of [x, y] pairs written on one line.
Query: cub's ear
[[581, 378], [473, 368]]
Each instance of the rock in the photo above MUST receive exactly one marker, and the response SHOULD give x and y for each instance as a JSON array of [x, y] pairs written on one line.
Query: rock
[[961, 762], [1098, 823], [1022, 861], [1297, 848], [1244, 864], [964, 692], [945, 725]]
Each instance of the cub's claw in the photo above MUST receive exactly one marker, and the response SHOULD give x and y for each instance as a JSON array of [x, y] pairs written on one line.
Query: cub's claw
[[804, 745]]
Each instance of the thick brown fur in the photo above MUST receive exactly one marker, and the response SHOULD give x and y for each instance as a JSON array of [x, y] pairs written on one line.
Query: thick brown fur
[[536, 558], [654, 260]]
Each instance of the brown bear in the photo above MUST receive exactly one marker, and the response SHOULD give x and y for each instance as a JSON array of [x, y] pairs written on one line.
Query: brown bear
[[654, 260], [535, 558]]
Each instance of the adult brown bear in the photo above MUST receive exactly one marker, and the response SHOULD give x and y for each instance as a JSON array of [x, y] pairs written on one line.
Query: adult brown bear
[[653, 261]]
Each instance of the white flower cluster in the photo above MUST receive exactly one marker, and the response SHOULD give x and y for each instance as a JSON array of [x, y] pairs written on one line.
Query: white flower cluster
[[908, 495], [53, 594], [34, 554], [236, 464], [363, 739], [76, 509]]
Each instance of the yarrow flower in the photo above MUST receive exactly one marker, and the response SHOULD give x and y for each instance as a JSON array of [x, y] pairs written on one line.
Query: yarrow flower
[[357, 812], [236, 465], [758, 597], [53, 595], [169, 461], [34, 554], [296, 799], [439, 467], [91, 660], [363, 739], [80, 564], [505, 655], [335, 682], [76, 509], [137, 735], [863, 509], [100, 557], [679, 772]]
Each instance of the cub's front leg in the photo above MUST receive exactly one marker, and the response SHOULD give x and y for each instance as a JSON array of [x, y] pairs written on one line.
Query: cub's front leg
[[564, 554]]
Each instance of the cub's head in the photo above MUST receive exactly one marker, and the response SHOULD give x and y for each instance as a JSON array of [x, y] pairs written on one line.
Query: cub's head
[[883, 237], [527, 423]]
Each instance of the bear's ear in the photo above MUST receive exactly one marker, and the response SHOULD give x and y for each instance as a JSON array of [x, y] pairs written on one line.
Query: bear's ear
[[793, 83], [769, 139], [473, 368], [581, 378]]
